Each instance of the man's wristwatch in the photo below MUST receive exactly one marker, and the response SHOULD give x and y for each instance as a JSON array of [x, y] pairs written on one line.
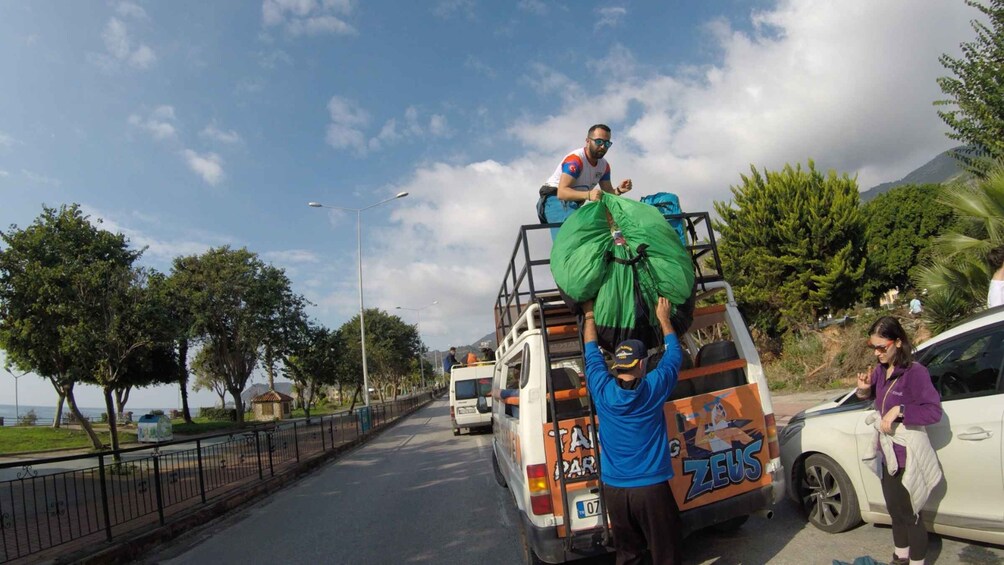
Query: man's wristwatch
[[902, 411]]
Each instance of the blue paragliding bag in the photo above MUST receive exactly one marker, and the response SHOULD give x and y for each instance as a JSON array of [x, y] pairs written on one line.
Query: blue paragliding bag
[[669, 204]]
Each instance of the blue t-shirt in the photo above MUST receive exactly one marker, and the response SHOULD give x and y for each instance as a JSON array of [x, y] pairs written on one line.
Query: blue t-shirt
[[634, 443]]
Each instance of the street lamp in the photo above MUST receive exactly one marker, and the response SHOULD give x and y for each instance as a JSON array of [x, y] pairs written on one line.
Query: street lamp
[[359, 250], [421, 360], [17, 405]]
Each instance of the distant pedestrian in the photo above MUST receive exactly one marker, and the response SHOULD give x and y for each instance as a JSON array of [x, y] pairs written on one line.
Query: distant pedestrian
[[903, 394], [915, 307], [450, 361], [995, 297], [635, 454]]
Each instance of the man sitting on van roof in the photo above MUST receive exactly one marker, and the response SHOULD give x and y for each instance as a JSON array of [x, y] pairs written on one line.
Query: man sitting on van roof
[[450, 360], [634, 444]]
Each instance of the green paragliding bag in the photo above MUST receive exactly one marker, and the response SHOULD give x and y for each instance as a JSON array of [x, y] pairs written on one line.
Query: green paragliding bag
[[624, 255]]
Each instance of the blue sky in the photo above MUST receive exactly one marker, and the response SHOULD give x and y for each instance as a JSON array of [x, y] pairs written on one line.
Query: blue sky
[[187, 125]]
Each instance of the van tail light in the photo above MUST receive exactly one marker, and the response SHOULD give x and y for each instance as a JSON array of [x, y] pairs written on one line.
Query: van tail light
[[540, 490], [773, 447], [452, 415]]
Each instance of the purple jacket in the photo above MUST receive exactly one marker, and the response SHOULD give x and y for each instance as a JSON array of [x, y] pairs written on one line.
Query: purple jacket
[[912, 388]]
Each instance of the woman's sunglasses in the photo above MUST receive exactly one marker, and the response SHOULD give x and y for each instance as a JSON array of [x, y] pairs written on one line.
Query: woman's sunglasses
[[880, 348]]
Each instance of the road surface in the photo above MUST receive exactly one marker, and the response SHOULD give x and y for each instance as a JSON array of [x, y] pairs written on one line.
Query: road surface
[[417, 494]]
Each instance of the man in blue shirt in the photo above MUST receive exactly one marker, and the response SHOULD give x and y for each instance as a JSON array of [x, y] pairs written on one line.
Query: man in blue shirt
[[634, 443]]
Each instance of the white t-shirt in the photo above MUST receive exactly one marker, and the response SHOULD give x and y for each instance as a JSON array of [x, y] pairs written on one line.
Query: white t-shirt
[[577, 166], [996, 295]]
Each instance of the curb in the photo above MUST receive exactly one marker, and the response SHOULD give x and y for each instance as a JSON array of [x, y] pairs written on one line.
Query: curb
[[131, 548]]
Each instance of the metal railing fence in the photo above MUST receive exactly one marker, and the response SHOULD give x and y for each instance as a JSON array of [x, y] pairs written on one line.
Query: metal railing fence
[[80, 500]]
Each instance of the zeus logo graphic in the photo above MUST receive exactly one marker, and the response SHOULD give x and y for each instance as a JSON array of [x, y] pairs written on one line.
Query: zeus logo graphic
[[723, 469]]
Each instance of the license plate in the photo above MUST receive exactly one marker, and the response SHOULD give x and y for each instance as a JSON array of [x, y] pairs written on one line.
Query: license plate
[[589, 507]]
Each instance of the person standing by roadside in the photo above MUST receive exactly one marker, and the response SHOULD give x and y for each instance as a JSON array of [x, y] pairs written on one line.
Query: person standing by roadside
[[995, 297], [576, 178], [634, 454], [903, 394]]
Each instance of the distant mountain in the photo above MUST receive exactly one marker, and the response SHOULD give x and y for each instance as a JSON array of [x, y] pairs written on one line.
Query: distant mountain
[[943, 168]]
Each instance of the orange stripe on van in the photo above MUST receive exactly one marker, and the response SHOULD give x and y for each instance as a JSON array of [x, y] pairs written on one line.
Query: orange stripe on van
[[712, 369], [561, 331]]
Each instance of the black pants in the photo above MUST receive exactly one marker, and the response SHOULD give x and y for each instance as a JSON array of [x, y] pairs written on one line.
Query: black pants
[[645, 523], [907, 529]]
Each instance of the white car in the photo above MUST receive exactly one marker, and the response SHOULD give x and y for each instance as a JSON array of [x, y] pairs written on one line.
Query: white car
[[821, 447]]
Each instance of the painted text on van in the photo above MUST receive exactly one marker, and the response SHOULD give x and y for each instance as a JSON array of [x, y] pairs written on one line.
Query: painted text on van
[[723, 469]]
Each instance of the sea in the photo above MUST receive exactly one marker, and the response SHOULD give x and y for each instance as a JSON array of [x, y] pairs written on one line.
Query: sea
[[45, 414]]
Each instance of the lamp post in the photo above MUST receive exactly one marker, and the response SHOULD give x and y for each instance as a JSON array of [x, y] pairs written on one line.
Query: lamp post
[[421, 360], [359, 251], [17, 405]]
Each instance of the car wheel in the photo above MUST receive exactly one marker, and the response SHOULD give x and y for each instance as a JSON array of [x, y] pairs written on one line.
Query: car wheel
[[730, 525], [827, 496], [456, 431], [498, 472]]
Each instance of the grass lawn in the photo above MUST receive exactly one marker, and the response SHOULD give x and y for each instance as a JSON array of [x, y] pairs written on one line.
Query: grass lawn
[[200, 426], [37, 438]]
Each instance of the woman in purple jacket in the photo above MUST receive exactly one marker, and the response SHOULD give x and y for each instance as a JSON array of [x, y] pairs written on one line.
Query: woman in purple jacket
[[903, 392]]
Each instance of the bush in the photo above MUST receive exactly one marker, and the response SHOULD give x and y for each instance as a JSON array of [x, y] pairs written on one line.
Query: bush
[[28, 419], [219, 414]]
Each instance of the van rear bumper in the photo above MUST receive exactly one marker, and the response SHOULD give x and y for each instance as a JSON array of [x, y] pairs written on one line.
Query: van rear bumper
[[732, 507], [551, 549]]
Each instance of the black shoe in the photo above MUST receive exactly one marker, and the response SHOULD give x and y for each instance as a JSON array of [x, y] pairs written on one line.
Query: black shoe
[[899, 560]]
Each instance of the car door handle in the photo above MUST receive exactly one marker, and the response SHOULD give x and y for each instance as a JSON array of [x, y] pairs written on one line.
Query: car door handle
[[975, 434]]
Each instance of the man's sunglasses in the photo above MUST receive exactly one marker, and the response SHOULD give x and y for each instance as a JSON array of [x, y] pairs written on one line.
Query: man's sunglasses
[[880, 348], [602, 142]]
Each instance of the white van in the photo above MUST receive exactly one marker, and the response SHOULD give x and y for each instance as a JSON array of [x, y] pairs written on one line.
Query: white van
[[470, 397], [722, 433]]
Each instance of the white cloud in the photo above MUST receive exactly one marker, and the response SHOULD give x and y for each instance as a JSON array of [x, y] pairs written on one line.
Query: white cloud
[[160, 248], [610, 16], [450, 8], [308, 17], [533, 6], [39, 178], [347, 120], [213, 132], [130, 10], [121, 49], [479, 66], [160, 124], [291, 256], [797, 87], [4, 173], [8, 141], [209, 166]]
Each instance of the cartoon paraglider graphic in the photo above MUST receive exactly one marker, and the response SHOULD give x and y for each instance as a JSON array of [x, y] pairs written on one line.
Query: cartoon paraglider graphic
[[714, 431]]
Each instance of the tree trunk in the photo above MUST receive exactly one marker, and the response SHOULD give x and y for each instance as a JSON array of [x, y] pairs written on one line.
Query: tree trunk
[[183, 379], [58, 420], [84, 423], [121, 398], [223, 398], [238, 405], [112, 429], [355, 395]]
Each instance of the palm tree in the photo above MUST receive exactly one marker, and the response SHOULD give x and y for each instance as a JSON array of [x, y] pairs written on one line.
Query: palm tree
[[959, 266]]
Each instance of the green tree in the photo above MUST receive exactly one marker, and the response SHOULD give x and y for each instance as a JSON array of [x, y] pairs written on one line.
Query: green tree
[[792, 245], [235, 298], [900, 227], [179, 299], [391, 344], [208, 375], [313, 364], [975, 91], [959, 265], [50, 275]]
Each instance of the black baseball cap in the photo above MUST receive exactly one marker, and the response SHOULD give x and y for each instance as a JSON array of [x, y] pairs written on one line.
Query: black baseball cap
[[628, 354]]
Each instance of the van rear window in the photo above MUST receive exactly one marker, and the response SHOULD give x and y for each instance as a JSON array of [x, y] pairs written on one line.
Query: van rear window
[[466, 390]]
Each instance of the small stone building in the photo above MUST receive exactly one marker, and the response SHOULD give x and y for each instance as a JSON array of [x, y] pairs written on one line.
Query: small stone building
[[272, 405]]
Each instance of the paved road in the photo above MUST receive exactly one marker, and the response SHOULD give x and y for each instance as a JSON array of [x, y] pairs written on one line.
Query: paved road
[[416, 494]]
